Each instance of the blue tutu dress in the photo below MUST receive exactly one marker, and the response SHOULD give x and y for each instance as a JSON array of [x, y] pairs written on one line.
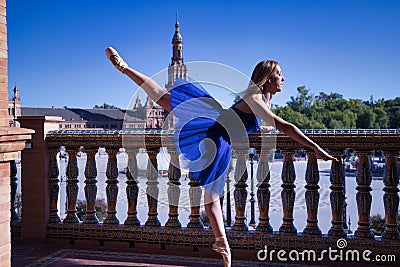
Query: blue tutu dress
[[204, 131]]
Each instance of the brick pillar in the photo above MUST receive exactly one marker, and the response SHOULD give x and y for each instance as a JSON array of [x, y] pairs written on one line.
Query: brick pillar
[[11, 141], [35, 176], [5, 237]]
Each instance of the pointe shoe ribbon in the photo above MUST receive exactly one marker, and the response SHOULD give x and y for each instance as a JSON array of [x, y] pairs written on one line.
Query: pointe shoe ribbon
[[116, 59]]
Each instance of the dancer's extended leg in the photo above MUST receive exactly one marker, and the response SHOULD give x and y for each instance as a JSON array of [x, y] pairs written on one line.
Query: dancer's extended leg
[[152, 89], [214, 212]]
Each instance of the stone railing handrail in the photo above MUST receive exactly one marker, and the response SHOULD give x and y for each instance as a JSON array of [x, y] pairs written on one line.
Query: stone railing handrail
[[306, 131], [331, 139]]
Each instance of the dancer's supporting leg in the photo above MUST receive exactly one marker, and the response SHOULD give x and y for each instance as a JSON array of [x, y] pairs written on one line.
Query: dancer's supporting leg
[[152, 89], [214, 212]]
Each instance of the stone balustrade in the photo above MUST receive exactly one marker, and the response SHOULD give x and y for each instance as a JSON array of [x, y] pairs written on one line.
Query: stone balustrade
[[172, 232]]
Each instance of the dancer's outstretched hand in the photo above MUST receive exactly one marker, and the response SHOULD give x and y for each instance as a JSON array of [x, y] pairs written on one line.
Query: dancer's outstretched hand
[[266, 129], [324, 155]]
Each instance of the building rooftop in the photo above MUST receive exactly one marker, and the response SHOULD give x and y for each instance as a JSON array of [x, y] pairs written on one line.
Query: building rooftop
[[78, 114]]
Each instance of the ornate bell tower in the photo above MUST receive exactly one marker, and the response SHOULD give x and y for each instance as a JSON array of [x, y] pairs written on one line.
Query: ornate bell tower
[[177, 69], [156, 116]]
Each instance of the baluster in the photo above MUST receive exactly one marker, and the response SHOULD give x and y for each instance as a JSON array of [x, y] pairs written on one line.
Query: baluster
[[112, 187], [132, 189], [15, 219], [54, 187], [174, 175], [240, 192], [363, 196], [91, 187], [263, 193], [152, 189], [228, 197], [391, 197], [337, 195], [194, 198], [72, 174], [288, 195], [312, 195]]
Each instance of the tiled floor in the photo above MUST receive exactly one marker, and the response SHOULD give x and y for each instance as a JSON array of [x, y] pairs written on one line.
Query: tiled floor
[[72, 257], [61, 254], [31, 253]]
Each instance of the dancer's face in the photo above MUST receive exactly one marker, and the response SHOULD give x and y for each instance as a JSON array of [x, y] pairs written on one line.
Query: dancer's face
[[275, 82]]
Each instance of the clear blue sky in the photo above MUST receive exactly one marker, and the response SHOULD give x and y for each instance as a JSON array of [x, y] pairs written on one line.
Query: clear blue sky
[[56, 48]]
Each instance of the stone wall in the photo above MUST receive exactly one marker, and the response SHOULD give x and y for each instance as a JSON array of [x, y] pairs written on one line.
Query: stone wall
[[5, 239]]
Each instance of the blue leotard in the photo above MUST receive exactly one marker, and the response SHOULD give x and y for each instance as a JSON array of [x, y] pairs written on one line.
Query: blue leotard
[[204, 131]]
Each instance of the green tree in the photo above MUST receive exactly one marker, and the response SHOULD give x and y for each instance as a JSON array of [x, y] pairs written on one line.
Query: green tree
[[382, 119], [394, 117], [355, 105], [349, 119], [100, 206], [366, 119], [377, 224], [392, 108], [335, 124], [325, 97], [393, 102], [380, 103], [332, 111], [340, 119], [106, 106], [336, 104], [302, 102], [298, 119]]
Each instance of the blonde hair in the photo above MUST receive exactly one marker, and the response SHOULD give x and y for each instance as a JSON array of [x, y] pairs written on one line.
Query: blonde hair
[[261, 73]]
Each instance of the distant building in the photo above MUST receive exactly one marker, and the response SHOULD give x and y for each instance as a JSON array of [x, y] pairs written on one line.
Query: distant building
[[76, 118], [147, 116]]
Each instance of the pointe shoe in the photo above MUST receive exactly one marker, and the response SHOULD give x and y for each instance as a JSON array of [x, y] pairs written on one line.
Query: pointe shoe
[[116, 59], [224, 250]]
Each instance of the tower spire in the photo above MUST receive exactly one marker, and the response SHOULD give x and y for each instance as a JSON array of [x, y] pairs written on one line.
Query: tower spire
[[177, 41], [177, 68]]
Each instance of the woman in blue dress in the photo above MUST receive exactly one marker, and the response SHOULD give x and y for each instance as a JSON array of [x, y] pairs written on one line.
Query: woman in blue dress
[[204, 130]]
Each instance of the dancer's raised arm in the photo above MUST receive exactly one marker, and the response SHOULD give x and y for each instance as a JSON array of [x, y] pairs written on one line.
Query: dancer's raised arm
[[261, 110]]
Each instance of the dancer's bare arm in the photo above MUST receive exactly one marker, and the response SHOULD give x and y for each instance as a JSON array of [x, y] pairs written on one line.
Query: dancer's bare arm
[[261, 110]]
